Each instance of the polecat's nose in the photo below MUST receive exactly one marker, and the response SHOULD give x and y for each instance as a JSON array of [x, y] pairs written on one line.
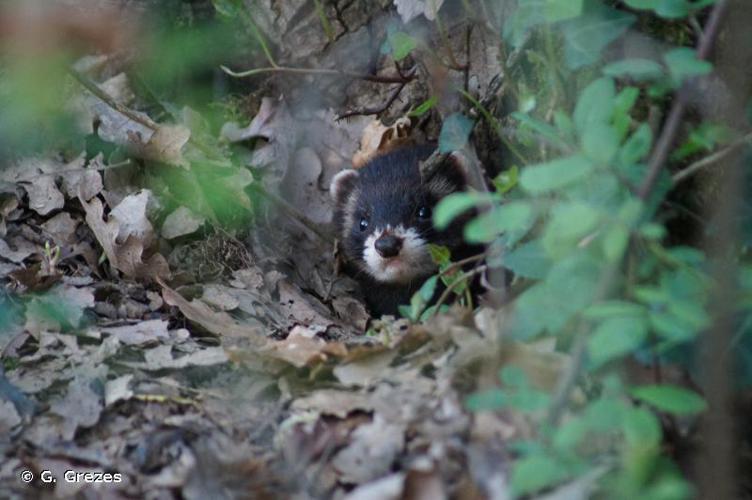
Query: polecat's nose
[[388, 245]]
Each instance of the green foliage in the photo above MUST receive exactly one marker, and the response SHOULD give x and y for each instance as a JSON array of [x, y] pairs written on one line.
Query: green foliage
[[669, 9], [424, 107], [594, 268], [670, 399], [418, 310]]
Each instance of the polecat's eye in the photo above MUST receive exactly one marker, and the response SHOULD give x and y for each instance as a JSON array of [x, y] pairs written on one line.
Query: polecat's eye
[[363, 223], [424, 212]]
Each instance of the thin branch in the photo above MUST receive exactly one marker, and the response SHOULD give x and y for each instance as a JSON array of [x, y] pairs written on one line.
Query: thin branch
[[317, 71], [710, 159], [377, 110], [460, 279], [101, 94], [393, 97], [454, 265], [676, 114]]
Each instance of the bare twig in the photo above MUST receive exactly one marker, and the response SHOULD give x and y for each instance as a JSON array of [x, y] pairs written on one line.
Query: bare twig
[[710, 159], [454, 284], [101, 94], [454, 265], [317, 71], [377, 110], [671, 128]]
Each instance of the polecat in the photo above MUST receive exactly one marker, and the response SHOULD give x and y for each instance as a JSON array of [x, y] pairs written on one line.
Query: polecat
[[383, 221]]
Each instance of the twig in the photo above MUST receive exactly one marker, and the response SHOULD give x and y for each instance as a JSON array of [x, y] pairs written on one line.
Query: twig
[[710, 159], [393, 97], [460, 279], [317, 71], [375, 110], [460, 263], [671, 128], [101, 94]]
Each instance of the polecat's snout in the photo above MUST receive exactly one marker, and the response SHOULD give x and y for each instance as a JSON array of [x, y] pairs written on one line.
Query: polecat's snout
[[388, 245], [397, 255]]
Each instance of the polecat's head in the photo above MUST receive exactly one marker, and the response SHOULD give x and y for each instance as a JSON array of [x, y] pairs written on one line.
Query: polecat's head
[[383, 213]]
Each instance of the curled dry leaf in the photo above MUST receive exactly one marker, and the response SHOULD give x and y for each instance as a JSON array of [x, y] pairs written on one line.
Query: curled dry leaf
[[379, 139], [86, 181], [126, 235], [37, 177], [410, 9], [62, 229], [82, 406], [140, 333], [373, 449], [166, 145], [181, 222], [117, 390], [219, 323], [390, 487], [302, 348]]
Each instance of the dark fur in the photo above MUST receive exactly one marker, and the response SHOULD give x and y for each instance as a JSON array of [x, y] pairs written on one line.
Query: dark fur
[[390, 190]]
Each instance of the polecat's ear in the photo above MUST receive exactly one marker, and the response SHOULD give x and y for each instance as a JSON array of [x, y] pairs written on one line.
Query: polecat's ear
[[448, 177], [342, 185]]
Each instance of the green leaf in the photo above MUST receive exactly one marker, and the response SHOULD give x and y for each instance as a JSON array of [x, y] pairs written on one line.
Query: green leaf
[[682, 63], [615, 242], [641, 429], [611, 308], [671, 399], [440, 254], [528, 14], [639, 70], [533, 473], [402, 44], [672, 9], [637, 146], [596, 105], [510, 217], [507, 180], [586, 36], [513, 376], [428, 288], [542, 128], [600, 143], [569, 223], [703, 138], [559, 10], [555, 174], [616, 337], [528, 260], [406, 312], [450, 207], [455, 132], [565, 125], [490, 400], [424, 107], [640, 4], [670, 328]]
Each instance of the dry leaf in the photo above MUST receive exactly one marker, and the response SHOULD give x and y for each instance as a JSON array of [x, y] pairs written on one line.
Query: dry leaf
[[126, 235], [181, 222], [219, 323]]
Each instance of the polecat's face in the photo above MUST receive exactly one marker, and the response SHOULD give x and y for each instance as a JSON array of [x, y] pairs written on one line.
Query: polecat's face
[[384, 211]]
